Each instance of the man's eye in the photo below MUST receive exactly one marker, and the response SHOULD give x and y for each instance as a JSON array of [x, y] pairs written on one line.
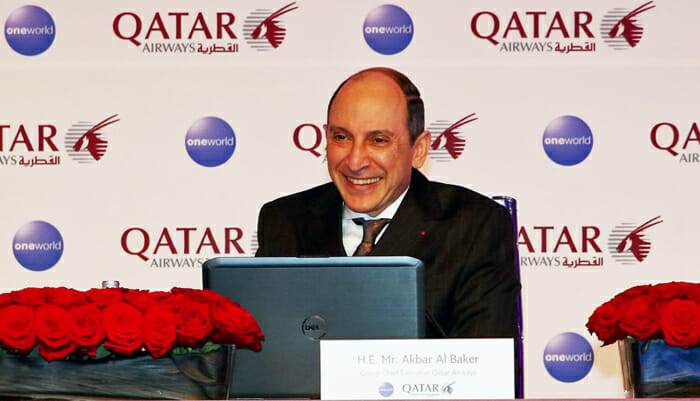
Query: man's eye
[[340, 137], [380, 140]]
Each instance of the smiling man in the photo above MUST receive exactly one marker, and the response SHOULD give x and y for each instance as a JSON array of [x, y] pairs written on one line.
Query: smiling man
[[375, 143]]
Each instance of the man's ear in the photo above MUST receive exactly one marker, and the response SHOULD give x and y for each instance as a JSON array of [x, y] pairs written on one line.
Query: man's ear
[[420, 149]]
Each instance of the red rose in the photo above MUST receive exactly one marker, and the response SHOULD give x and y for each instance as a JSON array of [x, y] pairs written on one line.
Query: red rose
[[205, 295], [123, 324], [104, 297], [53, 330], [29, 296], [17, 330], [604, 322], [86, 327], [680, 323], [141, 299], [5, 299], [641, 318], [674, 290], [159, 330], [235, 325], [175, 301], [65, 297], [634, 292], [193, 324]]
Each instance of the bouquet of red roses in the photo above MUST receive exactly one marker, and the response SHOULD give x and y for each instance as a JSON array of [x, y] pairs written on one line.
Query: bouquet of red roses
[[64, 322], [669, 311]]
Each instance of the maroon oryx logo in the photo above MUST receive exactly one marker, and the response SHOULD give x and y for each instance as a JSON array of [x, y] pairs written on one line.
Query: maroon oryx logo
[[621, 29], [447, 142], [84, 141], [628, 244], [264, 30]]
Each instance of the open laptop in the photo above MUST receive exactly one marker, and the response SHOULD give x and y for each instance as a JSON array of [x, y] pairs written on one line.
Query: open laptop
[[298, 301]]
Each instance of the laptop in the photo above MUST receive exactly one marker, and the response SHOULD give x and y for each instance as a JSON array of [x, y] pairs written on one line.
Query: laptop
[[299, 301]]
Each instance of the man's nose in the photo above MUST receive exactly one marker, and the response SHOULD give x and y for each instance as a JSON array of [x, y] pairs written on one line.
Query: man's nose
[[358, 158]]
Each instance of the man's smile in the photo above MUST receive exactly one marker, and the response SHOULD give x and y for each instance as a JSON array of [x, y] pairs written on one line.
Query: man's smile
[[363, 181]]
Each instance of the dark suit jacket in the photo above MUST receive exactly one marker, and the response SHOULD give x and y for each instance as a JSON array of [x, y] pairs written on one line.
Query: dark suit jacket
[[464, 239]]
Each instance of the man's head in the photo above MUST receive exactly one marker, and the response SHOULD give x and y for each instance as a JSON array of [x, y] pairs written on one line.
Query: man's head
[[374, 136]]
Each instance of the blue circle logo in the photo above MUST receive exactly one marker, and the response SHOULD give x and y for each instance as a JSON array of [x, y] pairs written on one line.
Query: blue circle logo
[[210, 141], [567, 140], [568, 357], [388, 29], [386, 389], [37, 245], [30, 30]]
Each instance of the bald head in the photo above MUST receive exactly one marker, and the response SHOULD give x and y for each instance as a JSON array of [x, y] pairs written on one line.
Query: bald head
[[415, 120]]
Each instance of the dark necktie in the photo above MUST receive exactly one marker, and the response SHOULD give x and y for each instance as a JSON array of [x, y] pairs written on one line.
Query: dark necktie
[[370, 231]]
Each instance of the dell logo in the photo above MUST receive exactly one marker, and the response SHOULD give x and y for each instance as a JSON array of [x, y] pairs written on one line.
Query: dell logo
[[314, 327]]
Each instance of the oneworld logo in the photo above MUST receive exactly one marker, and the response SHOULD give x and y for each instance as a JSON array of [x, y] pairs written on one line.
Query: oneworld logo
[[447, 141], [30, 30], [628, 242], [386, 389], [37, 245], [264, 29], [210, 141], [568, 357], [621, 29], [388, 29], [85, 141], [567, 140]]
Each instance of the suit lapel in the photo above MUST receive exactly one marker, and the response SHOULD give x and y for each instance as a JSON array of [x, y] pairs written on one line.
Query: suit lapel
[[322, 234], [414, 216]]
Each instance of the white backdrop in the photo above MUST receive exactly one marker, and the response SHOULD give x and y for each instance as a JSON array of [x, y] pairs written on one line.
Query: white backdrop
[[147, 180]]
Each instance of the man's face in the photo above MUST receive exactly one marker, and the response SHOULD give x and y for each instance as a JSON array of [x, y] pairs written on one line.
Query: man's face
[[368, 145]]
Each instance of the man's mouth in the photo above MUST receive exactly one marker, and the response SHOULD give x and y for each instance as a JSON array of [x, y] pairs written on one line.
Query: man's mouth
[[363, 181]]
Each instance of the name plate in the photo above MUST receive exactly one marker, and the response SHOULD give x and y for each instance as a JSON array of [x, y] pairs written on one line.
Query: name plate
[[466, 368]]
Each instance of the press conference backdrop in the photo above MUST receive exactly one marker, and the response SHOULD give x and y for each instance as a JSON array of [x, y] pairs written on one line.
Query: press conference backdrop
[[140, 138]]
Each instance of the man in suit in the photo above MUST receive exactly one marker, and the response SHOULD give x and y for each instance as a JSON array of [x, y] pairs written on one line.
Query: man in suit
[[375, 144]]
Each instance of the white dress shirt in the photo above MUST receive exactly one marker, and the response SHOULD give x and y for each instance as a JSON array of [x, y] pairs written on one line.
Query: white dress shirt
[[352, 233]]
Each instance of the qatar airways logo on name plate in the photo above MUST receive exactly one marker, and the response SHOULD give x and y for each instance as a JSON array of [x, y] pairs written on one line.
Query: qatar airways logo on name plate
[[30, 30], [621, 28]]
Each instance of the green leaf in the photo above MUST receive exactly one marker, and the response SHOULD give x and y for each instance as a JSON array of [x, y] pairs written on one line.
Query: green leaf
[[645, 346], [2, 352], [181, 350], [102, 352], [210, 347]]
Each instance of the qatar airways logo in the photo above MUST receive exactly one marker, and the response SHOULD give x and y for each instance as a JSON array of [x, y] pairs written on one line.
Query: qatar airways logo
[[265, 29], [388, 29], [557, 31], [628, 242], [447, 140], [621, 28], [567, 246], [678, 140], [183, 32], [180, 247], [30, 30], [28, 145], [85, 141]]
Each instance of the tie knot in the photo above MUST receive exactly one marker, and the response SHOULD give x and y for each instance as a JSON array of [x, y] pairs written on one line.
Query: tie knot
[[370, 231]]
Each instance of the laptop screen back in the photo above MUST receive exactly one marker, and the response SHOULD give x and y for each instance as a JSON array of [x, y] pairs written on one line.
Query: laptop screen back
[[297, 301]]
